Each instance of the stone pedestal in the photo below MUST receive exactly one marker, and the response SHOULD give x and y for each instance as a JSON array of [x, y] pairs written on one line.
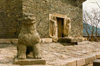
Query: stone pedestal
[[30, 62]]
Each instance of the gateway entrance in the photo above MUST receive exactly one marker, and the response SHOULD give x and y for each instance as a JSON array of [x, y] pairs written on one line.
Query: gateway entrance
[[60, 23]]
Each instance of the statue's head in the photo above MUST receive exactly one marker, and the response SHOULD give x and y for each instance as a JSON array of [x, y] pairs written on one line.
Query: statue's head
[[28, 18]]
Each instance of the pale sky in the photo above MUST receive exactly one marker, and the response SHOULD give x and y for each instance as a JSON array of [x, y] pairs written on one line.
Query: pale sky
[[90, 5]]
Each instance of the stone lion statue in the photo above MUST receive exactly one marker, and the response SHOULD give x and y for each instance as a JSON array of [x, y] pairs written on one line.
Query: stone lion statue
[[28, 39]]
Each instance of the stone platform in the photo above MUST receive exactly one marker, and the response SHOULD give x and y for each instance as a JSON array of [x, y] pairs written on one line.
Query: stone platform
[[56, 54], [30, 62]]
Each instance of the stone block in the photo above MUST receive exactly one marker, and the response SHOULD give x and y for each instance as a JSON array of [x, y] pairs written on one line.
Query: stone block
[[46, 40], [96, 62], [98, 55], [71, 63], [30, 62], [90, 59], [90, 64], [80, 62]]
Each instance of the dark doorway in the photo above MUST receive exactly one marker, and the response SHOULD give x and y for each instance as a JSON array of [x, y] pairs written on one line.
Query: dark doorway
[[60, 23]]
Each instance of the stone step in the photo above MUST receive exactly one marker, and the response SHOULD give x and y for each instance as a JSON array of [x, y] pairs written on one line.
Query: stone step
[[21, 65], [96, 62], [30, 62], [67, 40]]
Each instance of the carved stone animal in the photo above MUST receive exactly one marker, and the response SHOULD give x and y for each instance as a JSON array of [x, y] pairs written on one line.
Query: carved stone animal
[[28, 39]]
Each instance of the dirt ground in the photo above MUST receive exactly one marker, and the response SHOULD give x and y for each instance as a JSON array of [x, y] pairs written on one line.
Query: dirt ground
[[55, 54]]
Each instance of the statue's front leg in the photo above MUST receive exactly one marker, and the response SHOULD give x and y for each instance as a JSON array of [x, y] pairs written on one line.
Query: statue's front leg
[[36, 51], [21, 51]]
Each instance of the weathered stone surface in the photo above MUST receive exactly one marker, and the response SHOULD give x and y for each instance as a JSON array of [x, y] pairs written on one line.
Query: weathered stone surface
[[59, 26], [90, 59], [21, 65], [89, 64], [44, 8], [29, 62], [72, 40], [71, 62], [80, 62], [8, 41], [55, 54], [96, 62], [46, 40], [28, 39], [10, 12], [98, 55]]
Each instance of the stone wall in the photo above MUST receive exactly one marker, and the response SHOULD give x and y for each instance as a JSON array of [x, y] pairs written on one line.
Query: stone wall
[[10, 12], [45, 7], [2, 16]]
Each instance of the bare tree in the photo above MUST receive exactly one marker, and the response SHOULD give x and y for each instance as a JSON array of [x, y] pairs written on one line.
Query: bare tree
[[92, 19], [97, 3]]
